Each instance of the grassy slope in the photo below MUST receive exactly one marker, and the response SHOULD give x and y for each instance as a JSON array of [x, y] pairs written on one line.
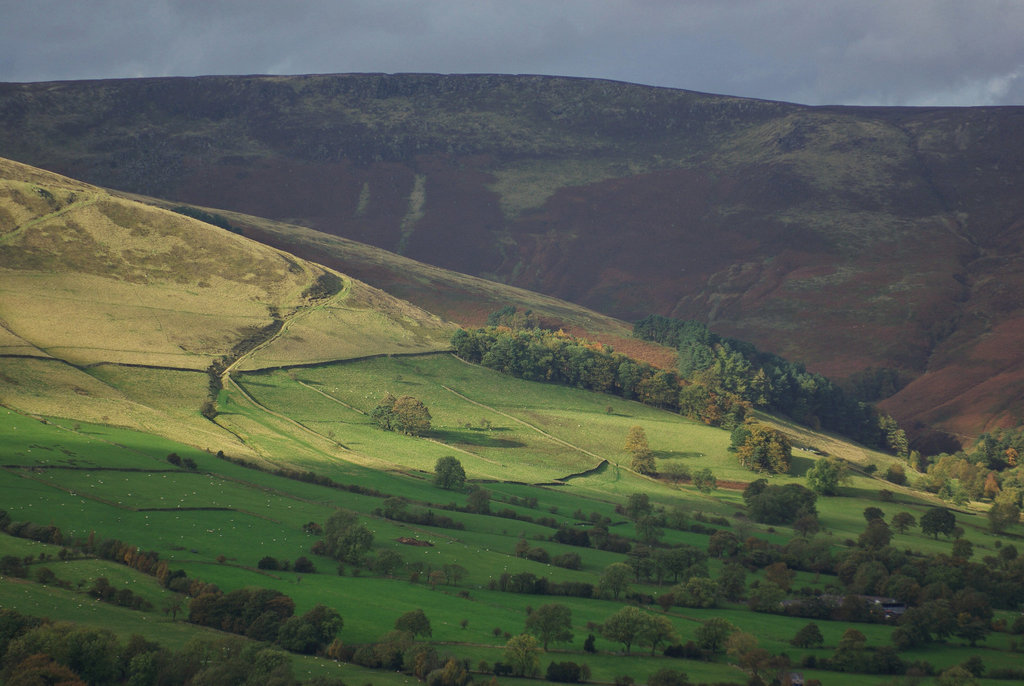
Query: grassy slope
[[267, 512], [92, 286], [457, 297], [132, 284], [315, 417]]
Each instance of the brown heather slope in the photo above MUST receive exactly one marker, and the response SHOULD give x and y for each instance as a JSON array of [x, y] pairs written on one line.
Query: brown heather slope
[[844, 237]]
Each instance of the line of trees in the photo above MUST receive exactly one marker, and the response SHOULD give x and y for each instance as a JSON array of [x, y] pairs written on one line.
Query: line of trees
[[557, 357], [397, 509], [257, 613], [398, 650], [115, 550], [38, 651], [267, 615], [727, 366]]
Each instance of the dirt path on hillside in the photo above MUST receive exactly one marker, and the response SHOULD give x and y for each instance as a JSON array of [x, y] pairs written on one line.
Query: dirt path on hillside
[[73, 205], [227, 381], [287, 321]]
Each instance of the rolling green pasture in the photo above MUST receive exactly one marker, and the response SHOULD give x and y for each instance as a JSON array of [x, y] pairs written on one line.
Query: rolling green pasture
[[67, 605], [85, 430], [501, 428], [217, 521]]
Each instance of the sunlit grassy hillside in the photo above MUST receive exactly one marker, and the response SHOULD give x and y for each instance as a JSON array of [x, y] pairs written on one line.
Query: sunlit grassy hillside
[[202, 397], [461, 298], [92, 285], [216, 522]]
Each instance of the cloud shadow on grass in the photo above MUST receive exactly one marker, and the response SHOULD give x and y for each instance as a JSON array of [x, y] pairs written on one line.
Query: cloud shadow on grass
[[474, 438], [675, 454], [798, 466]]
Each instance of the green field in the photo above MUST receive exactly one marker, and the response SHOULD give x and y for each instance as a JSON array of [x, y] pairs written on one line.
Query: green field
[[176, 412], [502, 428], [513, 437]]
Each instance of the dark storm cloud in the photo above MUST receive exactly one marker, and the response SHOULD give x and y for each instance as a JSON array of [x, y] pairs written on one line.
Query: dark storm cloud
[[950, 52]]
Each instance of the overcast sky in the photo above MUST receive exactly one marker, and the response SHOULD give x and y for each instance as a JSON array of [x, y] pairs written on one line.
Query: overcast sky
[[888, 52]]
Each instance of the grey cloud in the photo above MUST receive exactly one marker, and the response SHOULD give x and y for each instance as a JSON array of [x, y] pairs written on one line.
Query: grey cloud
[[825, 51]]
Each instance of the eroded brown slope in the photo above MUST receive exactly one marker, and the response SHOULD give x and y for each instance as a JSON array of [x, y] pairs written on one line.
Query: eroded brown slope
[[846, 237]]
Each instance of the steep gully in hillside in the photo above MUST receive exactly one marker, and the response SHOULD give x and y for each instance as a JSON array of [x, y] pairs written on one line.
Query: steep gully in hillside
[[220, 370], [961, 363]]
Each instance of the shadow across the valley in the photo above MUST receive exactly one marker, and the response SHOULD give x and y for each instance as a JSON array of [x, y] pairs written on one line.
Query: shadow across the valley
[[798, 465], [675, 454], [475, 438]]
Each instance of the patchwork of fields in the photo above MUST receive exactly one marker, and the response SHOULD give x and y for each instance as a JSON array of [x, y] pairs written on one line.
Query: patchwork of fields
[[218, 520], [164, 430]]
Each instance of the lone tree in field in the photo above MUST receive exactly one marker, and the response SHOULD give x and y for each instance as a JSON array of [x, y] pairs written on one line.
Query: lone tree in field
[[415, 622], [345, 538], [638, 505], [826, 475], [405, 414], [655, 631], [411, 416], [901, 521], [383, 414], [551, 623], [705, 481], [808, 637], [644, 464], [872, 513], [937, 520], [479, 500], [449, 474], [625, 626], [636, 445], [615, 579], [713, 633], [522, 654]]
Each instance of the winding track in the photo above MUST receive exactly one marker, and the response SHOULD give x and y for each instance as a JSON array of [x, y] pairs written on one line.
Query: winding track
[[228, 381]]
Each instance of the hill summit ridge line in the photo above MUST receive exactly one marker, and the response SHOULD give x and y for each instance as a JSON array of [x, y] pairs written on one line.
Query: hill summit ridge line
[[847, 237]]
